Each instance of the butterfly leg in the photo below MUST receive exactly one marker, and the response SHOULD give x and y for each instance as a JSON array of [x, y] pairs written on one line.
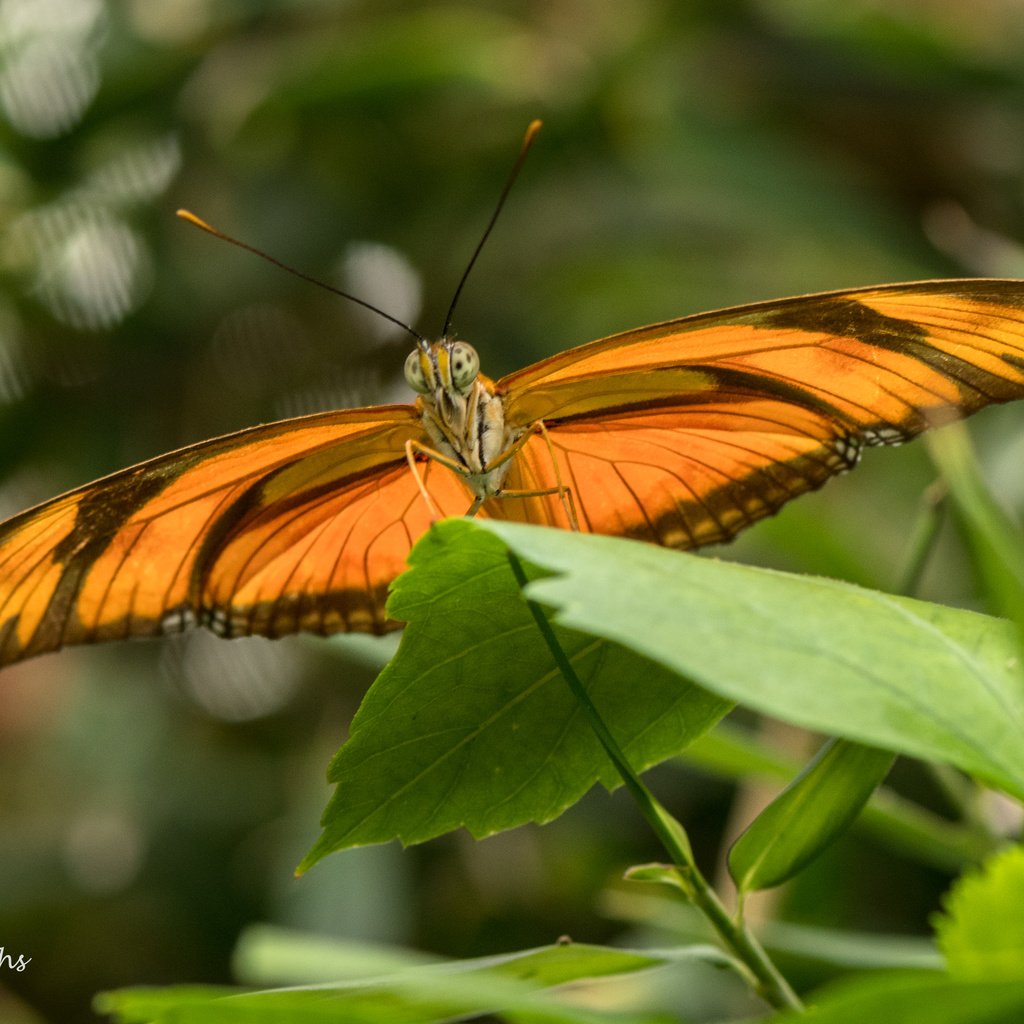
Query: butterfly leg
[[414, 448], [564, 493]]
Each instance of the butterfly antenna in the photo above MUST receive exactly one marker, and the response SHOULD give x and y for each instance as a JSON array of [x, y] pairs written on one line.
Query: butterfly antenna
[[210, 229], [531, 134]]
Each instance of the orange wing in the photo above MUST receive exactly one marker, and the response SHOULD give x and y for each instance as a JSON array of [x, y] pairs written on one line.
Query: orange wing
[[324, 504], [686, 432], [682, 433]]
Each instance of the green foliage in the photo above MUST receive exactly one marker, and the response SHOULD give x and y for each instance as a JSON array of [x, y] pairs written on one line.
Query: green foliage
[[921, 679], [981, 933], [471, 724], [913, 998], [771, 640], [734, 752], [470, 714], [906, 675], [515, 984], [816, 808]]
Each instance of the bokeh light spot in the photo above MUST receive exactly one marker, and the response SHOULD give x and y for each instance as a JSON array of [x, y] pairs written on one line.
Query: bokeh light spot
[[49, 74]]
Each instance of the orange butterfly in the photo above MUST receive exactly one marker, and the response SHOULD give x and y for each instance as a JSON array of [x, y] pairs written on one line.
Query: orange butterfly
[[682, 433]]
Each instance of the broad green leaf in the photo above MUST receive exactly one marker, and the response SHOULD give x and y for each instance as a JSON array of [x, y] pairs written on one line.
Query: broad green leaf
[[515, 984], [913, 998], [810, 813], [472, 724], [933, 682], [981, 933]]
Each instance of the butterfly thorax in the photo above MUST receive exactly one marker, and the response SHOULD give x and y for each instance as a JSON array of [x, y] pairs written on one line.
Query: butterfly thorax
[[463, 417]]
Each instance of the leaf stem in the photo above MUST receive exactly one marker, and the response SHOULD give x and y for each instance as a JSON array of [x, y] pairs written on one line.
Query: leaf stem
[[922, 539], [765, 976]]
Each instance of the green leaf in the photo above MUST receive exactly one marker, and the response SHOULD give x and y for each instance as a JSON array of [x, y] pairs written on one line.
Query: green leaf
[[933, 682], [659, 874], [734, 752], [913, 998], [515, 984], [812, 812], [981, 933], [472, 724], [143, 1005]]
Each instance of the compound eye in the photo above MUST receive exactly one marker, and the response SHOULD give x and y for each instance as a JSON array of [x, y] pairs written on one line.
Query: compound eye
[[465, 364], [414, 373]]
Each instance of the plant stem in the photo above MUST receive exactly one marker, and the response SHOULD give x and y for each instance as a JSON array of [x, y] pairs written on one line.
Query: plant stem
[[922, 539], [765, 976]]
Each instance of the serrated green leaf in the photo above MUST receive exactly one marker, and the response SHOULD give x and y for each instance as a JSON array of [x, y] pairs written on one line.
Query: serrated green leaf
[[933, 682], [472, 724], [981, 932], [810, 813]]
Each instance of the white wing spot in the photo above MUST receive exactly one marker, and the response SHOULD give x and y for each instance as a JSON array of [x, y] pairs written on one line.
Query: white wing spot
[[177, 620], [884, 435], [848, 449], [218, 621]]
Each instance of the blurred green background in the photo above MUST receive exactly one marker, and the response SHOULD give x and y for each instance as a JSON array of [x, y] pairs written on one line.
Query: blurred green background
[[154, 797]]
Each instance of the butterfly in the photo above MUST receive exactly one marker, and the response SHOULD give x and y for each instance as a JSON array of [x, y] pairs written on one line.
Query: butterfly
[[682, 434]]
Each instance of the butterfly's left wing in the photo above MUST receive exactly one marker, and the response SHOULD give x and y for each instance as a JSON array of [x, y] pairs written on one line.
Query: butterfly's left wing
[[686, 432], [294, 525]]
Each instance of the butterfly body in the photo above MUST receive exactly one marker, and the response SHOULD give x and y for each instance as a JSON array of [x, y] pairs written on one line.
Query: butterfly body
[[463, 417], [681, 434]]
